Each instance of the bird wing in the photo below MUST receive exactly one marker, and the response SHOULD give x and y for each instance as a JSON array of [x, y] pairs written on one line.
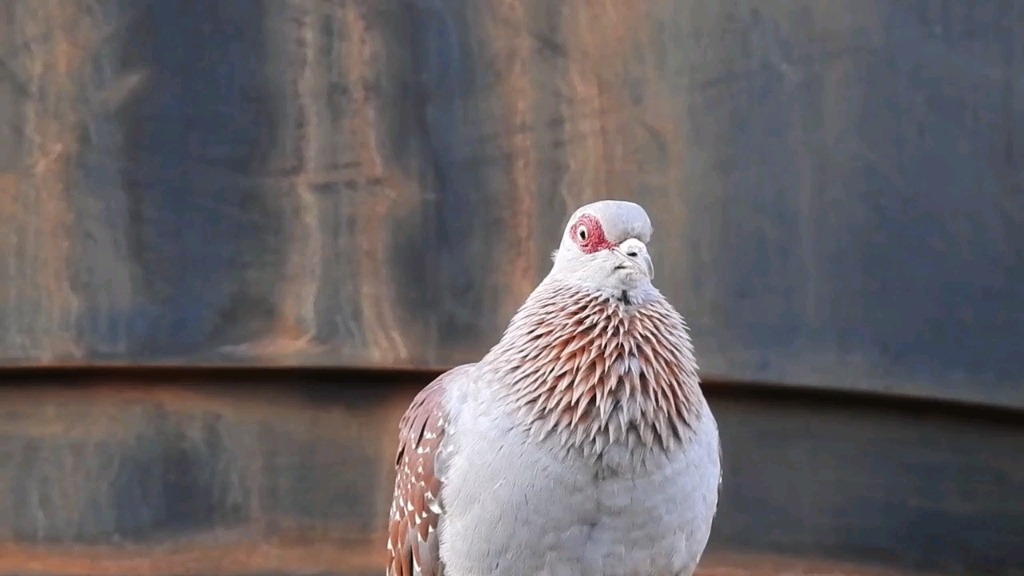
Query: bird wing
[[416, 507]]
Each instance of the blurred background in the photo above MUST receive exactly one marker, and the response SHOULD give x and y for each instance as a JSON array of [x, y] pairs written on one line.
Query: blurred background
[[237, 236]]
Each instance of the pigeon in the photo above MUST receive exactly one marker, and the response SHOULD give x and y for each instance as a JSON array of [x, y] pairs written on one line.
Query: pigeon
[[580, 444]]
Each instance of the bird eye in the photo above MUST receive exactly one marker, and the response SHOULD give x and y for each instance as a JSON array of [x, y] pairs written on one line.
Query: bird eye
[[581, 233]]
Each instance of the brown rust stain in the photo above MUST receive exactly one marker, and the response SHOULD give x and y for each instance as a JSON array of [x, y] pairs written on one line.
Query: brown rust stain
[[48, 408], [723, 563], [248, 558], [9, 185], [318, 558], [618, 143], [598, 36], [296, 320], [622, 117], [59, 37], [383, 191], [508, 29], [10, 215]]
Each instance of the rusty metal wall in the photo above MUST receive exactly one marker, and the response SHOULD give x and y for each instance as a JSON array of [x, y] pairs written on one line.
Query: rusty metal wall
[[285, 474], [836, 186]]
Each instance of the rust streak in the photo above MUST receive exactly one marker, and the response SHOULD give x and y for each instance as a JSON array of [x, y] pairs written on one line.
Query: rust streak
[[382, 190], [192, 559], [53, 120], [10, 215], [722, 563], [295, 321], [598, 38], [298, 317], [513, 43], [356, 557]]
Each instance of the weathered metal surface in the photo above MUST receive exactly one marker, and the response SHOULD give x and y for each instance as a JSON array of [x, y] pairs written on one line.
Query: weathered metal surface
[[836, 186], [116, 465], [745, 564], [286, 561], [918, 490], [157, 479]]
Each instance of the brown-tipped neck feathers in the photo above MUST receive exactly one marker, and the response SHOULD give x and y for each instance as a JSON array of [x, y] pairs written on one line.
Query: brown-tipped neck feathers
[[595, 371]]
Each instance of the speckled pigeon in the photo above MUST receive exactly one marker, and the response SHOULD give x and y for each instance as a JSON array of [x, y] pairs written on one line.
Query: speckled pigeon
[[580, 445]]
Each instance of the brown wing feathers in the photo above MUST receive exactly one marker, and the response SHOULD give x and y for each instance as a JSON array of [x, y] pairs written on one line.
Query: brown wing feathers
[[412, 526]]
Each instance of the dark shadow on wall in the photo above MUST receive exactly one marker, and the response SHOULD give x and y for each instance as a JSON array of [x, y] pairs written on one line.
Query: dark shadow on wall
[[151, 471], [199, 221], [911, 225], [433, 135], [944, 246]]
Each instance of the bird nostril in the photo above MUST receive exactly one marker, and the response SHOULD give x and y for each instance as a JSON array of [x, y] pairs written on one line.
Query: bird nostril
[[632, 253]]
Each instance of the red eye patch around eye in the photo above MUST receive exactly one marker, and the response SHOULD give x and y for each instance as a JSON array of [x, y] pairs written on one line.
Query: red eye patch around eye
[[596, 239]]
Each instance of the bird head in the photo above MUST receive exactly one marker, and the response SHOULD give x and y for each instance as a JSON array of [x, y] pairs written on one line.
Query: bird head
[[604, 247]]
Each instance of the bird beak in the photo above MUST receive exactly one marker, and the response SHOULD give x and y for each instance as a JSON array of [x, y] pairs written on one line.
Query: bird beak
[[635, 253]]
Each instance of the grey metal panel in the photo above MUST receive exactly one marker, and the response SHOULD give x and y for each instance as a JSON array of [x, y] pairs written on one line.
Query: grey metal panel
[[147, 479], [922, 490], [836, 187]]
